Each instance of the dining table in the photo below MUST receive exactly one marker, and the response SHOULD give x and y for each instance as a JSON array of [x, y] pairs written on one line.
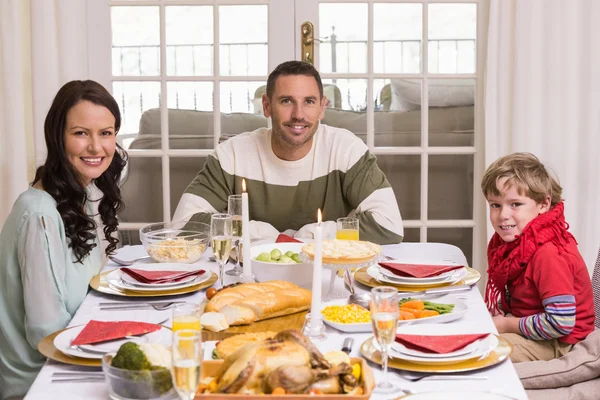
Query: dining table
[[500, 379]]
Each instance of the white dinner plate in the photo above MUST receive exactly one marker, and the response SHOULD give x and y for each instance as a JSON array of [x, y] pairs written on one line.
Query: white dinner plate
[[114, 278], [158, 267], [459, 310], [477, 349], [374, 272], [456, 395], [96, 351]]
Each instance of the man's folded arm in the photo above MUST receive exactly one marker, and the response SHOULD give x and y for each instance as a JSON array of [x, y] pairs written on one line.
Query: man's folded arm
[[370, 195]]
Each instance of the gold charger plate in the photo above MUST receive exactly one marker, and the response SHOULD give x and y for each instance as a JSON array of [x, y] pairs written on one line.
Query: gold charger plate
[[496, 356], [361, 275], [47, 348], [100, 284]]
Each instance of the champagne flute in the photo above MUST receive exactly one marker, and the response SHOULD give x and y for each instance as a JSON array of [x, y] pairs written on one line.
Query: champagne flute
[[187, 359], [234, 207], [186, 316], [221, 234], [384, 317]]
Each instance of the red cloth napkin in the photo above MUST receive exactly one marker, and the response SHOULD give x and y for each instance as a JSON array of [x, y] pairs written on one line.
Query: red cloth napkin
[[418, 270], [144, 276], [438, 344], [287, 239], [101, 331]]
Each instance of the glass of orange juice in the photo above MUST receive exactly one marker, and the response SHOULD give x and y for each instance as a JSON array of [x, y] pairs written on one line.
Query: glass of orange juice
[[347, 228], [186, 316]]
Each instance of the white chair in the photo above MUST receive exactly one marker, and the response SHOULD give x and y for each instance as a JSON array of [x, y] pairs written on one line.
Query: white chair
[[596, 289]]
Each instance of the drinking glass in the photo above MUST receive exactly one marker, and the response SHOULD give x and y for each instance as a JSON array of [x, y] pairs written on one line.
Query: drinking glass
[[187, 357], [186, 316], [234, 207], [221, 235], [347, 228], [384, 317]]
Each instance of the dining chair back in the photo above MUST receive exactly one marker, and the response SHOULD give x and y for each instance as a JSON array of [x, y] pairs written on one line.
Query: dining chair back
[[596, 290]]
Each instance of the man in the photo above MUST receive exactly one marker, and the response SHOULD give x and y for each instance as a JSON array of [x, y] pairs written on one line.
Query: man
[[295, 168]]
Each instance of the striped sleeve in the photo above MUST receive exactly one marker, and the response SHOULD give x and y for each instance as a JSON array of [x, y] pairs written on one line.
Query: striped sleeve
[[557, 320]]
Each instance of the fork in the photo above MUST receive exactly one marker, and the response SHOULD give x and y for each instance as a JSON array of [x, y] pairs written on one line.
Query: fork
[[126, 306], [128, 262], [434, 377]]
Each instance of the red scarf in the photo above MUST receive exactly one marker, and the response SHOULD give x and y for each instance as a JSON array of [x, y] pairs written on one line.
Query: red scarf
[[507, 260]]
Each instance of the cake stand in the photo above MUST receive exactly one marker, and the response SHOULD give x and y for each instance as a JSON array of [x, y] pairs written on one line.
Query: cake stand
[[348, 271]]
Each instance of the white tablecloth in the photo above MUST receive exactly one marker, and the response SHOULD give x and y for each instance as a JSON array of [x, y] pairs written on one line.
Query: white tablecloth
[[502, 378]]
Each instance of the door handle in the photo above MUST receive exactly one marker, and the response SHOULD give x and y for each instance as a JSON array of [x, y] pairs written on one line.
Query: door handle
[[307, 42]]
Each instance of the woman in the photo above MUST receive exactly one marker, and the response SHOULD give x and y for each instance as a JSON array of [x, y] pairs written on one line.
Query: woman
[[50, 246]]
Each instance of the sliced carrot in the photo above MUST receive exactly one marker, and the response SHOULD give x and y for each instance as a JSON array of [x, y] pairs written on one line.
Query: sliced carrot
[[406, 315], [414, 304], [426, 313]]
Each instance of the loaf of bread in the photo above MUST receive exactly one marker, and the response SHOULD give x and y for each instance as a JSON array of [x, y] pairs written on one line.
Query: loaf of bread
[[252, 302]]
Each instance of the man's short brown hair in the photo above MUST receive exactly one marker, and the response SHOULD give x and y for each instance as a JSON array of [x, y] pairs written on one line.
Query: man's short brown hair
[[526, 173], [293, 68]]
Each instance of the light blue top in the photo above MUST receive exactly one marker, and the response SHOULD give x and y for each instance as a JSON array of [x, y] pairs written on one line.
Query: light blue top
[[41, 287]]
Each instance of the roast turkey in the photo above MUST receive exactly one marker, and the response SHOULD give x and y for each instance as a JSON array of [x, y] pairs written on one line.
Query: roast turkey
[[289, 361]]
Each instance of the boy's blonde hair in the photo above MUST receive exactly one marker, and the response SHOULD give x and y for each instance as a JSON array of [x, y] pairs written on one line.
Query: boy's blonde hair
[[526, 173]]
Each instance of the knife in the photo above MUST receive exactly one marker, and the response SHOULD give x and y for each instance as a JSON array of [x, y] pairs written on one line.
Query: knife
[[437, 291]]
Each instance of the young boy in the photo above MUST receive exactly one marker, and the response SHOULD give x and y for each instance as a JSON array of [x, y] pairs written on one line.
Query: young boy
[[539, 290]]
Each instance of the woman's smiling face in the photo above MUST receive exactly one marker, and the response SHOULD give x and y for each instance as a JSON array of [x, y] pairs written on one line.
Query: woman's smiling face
[[90, 139], [511, 212]]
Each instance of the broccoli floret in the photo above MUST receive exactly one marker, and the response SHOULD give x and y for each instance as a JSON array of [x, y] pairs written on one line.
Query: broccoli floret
[[130, 357], [162, 379]]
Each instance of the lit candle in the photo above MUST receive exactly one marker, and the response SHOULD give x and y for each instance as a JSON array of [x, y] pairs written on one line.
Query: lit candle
[[315, 309], [247, 259]]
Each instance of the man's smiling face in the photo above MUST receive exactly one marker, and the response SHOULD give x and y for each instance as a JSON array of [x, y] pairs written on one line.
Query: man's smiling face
[[295, 108]]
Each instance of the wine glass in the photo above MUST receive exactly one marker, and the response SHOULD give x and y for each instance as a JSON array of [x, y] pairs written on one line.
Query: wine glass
[[221, 235], [234, 207], [187, 357], [384, 317]]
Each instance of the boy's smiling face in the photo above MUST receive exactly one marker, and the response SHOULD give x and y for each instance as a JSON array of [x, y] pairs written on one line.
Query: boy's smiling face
[[510, 212]]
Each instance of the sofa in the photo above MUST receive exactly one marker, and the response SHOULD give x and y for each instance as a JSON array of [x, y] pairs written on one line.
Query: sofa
[[451, 176]]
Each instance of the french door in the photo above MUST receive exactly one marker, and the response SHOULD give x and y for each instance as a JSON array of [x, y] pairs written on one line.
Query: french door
[[402, 75]]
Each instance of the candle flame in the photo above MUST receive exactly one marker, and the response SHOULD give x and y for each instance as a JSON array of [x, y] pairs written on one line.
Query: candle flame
[[319, 217], [243, 185]]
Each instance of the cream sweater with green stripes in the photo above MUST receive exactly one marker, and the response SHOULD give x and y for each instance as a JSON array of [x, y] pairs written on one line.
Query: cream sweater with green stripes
[[339, 175]]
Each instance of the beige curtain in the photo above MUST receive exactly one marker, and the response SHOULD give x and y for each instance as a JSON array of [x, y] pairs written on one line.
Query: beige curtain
[[543, 96], [43, 44]]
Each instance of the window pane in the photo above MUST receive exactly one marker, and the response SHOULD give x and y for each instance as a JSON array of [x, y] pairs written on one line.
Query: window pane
[[183, 170], [404, 174], [451, 112], [397, 35], [190, 95], [459, 237], [397, 117], [243, 97], [243, 39], [346, 105], [344, 29], [142, 190], [189, 40], [135, 99], [452, 33], [135, 41], [450, 194], [412, 235]]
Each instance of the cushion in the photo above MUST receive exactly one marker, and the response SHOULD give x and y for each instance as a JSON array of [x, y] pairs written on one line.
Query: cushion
[[406, 93], [581, 364]]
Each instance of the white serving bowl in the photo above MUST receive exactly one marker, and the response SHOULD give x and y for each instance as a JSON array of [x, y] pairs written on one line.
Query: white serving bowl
[[299, 274]]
